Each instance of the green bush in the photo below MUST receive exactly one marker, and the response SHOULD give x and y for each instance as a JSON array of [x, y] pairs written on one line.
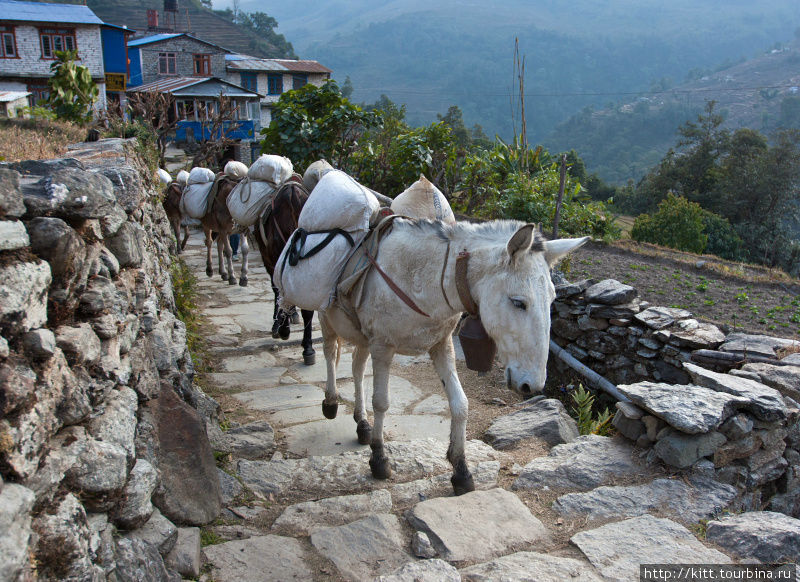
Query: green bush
[[722, 238], [678, 224]]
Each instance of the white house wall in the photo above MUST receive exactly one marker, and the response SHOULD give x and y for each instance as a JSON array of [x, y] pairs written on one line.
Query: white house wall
[[234, 76], [30, 62]]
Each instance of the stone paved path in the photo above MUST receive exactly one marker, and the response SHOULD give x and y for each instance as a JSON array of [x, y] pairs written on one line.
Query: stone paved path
[[301, 504]]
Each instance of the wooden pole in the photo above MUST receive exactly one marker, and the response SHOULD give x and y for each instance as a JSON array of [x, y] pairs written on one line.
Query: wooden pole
[[591, 376], [561, 185]]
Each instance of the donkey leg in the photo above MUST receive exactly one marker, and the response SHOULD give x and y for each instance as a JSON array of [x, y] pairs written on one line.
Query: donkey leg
[[245, 264], [225, 254], [275, 311], [363, 428], [381, 360], [209, 242], [330, 347], [309, 355], [444, 360], [185, 237], [176, 229]]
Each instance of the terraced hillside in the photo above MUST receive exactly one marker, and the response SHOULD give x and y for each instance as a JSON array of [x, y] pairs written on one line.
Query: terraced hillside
[[192, 17]]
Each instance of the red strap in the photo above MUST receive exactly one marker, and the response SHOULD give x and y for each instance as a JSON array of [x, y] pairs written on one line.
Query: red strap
[[397, 291]]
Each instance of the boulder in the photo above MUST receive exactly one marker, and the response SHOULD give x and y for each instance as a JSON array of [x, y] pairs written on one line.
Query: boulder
[[694, 334], [189, 492], [134, 507], [137, 560], [530, 566], [610, 292], [424, 571], [16, 503], [273, 557], [683, 450], [63, 547], [185, 557], [40, 344], [157, 531], [302, 518], [79, 343], [765, 536], [23, 296], [660, 317], [784, 379], [546, 419], [477, 525], [128, 244], [13, 235], [71, 194], [11, 204]]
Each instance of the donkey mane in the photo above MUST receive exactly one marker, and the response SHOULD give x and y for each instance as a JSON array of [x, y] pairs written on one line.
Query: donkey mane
[[491, 231]]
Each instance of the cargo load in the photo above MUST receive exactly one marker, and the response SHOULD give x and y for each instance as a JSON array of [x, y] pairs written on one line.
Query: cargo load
[[164, 177], [314, 173], [333, 222], [423, 200], [235, 170], [194, 201], [251, 196], [272, 169], [182, 177]]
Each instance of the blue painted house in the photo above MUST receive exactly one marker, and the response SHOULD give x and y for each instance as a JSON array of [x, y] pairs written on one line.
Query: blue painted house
[[115, 61]]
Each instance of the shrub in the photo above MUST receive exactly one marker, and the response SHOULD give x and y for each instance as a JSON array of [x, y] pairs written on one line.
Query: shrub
[[678, 224]]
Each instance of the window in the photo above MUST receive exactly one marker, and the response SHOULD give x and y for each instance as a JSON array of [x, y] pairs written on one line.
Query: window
[[8, 46], [167, 64], [274, 84], [249, 81], [298, 80], [38, 93], [56, 39], [186, 110], [202, 65]]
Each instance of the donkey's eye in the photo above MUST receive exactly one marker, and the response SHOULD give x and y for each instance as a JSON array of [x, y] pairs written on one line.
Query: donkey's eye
[[519, 304]]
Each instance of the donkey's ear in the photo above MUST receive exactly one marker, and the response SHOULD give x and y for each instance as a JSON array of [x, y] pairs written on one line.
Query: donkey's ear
[[521, 241], [555, 249]]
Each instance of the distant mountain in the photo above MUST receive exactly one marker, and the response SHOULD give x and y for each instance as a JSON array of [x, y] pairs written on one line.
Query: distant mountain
[[430, 55], [624, 141], [192, 17]]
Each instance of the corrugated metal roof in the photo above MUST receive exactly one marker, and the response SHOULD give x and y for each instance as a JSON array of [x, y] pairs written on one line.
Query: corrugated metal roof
[[166, 36], [239, 62], [6, 96], [304, 66], [44, 12], [195, 87], [152, 38]]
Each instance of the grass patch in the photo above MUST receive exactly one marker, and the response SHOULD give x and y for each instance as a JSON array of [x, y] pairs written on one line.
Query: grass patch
[[37, 139], [184, 289], [209, 538]]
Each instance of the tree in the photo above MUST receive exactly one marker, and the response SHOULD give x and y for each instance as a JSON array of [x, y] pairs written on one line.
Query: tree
[[72, 91], [157, 111], [678, 224], [218, 123], [313, 123]]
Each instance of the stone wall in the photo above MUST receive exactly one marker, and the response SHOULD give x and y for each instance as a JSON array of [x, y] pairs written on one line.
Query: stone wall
[[101, 454], [739, 426]]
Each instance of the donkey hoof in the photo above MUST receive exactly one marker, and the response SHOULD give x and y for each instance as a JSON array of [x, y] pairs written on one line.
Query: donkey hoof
[[380, 467], [364, 432], [309, 357], [231, 280], [283, 331], [275, 333], [210, 272], [462, 484], [329, 410], [243, 282]]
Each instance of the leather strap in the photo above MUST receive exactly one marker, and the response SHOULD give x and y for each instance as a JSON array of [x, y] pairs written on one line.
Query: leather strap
[[462, 283], [441, 279], [397, 291]]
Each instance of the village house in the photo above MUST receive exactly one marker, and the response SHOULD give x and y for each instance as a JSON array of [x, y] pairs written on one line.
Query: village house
[[272, 77], [175, 54], [32, 32]]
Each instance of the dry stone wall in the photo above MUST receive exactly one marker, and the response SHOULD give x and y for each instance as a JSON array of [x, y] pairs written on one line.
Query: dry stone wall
[[739, 427], [103, 452]]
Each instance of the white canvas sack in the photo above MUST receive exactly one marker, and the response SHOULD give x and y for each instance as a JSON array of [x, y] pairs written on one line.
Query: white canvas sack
[[314, 173], [235, 170], [195, 199], [338, 201], [182, 177], [248, 200], [423, 200], [200, 176], [311, 283], [270, 168], [164, 176]]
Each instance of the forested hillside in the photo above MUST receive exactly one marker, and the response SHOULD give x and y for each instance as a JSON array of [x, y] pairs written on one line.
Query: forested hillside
[[625, 140], [192, 17], [578, 52]]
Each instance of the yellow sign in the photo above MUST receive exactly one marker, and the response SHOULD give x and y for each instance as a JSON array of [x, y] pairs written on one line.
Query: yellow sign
[[115, 81]]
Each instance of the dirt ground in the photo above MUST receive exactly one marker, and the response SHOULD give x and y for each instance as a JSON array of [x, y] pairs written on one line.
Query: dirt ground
[[733, 296]]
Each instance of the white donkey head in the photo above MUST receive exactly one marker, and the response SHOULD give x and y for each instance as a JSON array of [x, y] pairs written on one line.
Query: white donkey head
[[515, 292]]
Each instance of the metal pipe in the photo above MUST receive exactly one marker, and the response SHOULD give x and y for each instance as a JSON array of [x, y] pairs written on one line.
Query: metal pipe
[[593, 377]]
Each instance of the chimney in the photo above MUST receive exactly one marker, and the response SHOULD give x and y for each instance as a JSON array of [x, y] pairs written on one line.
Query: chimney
[[152, 19]]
